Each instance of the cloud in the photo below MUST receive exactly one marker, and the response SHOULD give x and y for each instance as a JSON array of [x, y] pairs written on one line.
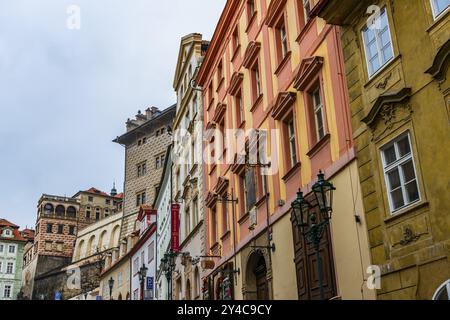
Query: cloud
[[65, 94]]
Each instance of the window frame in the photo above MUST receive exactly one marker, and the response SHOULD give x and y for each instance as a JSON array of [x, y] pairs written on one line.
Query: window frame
[[10, 266], [11, 246], [397, 164], [378, 45], [315, 109], [440, 290], [437, 15]]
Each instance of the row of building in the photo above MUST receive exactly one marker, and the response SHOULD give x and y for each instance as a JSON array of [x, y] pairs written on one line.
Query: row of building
[[305, 158]]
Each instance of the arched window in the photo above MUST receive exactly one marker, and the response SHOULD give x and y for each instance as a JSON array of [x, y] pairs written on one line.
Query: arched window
[[443, 293], [60, 211], [91, 248], [197, 284], [71, 212], [102, 243], [79, 253], [49, 209]]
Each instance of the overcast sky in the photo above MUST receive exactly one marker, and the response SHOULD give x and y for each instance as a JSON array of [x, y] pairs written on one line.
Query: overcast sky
[[66, 94]]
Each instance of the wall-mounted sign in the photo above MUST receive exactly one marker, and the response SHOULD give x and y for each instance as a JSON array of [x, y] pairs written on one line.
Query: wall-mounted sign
[[150, 283], [175, 239], [208, 264]]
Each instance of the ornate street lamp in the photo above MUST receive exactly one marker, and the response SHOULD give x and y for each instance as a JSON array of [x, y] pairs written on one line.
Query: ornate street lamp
[[307, 223], [142, 275], [323, 190], [111, 285], [168, 266]]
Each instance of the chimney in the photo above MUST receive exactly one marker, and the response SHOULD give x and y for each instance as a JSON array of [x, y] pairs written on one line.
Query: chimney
[[131, 124], [152, 113]]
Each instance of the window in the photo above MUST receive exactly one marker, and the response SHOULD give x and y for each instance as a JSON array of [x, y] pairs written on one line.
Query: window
[[151, 252], [281, 41], [250, 189], [240, 115], [439, 6], [318, 114], [256, 81], [210, 93], [307, 10], [119, 279], [49, 228], [7, 291], [12, 249], [72, 230], [378, 43], [71, 212], [140, 199], [219, 73], [225, 225], [195, 211], [159, 161], [236, 42], [60, 229], [1, 248], [443, 293], [108, 201], [90, 199], [8, 233], [144, 140], [251, 10], [48, 209], [136, 265], [88, 214], [187, 221], [400, 173], [292, 141], [142, 169], [1, 266], [10, 268], [213, 225], [97, 214]]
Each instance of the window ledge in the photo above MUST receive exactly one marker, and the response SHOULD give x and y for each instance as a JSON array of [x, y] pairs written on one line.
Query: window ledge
[[283, 63], [219, 86], [244, 218], [438, 19], [377, 74], [256, 103], [291, 172], [235, 53], [319, 145], [251, 21], [262, 200], [226, 235], [406, 211]]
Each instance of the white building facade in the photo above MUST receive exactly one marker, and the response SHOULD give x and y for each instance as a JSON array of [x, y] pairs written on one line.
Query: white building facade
[[188, 169], [143, 255]]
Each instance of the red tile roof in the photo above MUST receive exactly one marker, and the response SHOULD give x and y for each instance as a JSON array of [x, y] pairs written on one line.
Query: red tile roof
[[119, 196], [28, 234], [97, 192], [17, 235]]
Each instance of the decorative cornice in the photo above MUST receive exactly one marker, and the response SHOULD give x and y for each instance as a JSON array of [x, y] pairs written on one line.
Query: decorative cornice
[[284, 101], [238, 166], [222, 185], [441, 63], [220, 112], [235, 83], [251, 54], [210, 200], [274, 12], [386, 99], [309, 68]]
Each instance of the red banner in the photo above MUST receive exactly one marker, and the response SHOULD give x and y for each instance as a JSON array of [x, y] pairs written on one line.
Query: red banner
[[175, 241]]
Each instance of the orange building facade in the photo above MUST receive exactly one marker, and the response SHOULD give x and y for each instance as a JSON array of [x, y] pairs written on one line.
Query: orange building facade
[[274, 67]]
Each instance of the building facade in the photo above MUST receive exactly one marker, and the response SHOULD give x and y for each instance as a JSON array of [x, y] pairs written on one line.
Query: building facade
[[397, 68], [162, 205], [145, 142], [188, 167], [274, 71], [142, 256], [12, 243]]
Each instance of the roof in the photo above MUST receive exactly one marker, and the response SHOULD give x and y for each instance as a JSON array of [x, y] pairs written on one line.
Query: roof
[[6, 223], [28, 234], [119, 196], [94, 191], [123, 139], [17, 235]]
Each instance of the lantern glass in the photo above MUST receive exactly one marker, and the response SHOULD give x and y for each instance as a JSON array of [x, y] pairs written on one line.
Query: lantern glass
[[323, 190], [300, 207]]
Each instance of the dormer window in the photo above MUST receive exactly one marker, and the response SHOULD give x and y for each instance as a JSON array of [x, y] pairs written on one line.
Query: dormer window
[[7, 233]]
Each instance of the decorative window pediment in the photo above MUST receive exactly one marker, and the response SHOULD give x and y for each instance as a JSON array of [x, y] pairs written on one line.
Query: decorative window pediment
[[251, 54], [235, 83], [441, 63], [222, 185], [220, 112], [210, 200], [274, 11], [388, 111], [309, 68], [238, 166], [284, 101]]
